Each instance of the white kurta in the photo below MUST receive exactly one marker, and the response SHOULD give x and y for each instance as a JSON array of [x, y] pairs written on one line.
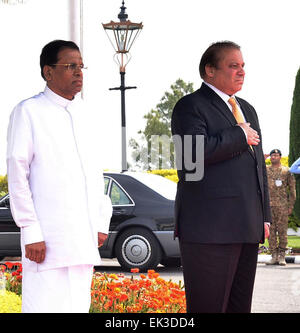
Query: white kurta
[[59, 290], [55, 182]]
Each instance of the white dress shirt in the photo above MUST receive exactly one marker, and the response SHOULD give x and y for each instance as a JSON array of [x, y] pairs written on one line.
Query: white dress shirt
[[55, 180], [225, 98]]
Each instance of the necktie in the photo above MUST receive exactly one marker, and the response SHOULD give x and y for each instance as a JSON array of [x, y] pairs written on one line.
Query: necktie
[[237, 113], [235, 110]]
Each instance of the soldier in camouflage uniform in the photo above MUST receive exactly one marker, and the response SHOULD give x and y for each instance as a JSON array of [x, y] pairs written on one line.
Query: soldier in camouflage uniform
[[282, 198]]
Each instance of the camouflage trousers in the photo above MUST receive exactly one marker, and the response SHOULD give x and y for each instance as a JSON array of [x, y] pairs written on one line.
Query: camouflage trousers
[[278, 229]]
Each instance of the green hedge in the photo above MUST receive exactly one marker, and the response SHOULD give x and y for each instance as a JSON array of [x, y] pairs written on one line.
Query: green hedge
[[3, 185]]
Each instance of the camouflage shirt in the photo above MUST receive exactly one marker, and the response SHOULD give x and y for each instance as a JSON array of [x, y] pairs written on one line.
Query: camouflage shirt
[[282, 187]]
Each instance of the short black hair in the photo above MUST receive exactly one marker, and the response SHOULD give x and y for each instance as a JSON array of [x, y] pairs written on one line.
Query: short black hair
[[51, 50], [213, 54]]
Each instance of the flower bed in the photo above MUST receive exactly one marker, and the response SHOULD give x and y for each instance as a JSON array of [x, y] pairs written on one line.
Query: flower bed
[[11, 279], [146, 294], [110, 293], [10, 302], [13, 274]]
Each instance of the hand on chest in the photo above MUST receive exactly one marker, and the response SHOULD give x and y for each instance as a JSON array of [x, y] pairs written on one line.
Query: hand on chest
[[218, 117]]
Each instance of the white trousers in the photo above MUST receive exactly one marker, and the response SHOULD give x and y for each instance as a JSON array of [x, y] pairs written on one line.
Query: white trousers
[[60, 290]]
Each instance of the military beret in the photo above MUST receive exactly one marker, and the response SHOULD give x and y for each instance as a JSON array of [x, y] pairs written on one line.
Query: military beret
[[275, 151]]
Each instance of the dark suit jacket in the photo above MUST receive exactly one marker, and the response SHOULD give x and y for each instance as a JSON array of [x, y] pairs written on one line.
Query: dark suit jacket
[[231, 202]]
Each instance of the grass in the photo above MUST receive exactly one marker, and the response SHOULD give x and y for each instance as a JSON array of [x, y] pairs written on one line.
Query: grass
[[293, 242]]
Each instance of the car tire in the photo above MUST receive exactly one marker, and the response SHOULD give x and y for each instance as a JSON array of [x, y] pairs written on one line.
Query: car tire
[[138, 248]]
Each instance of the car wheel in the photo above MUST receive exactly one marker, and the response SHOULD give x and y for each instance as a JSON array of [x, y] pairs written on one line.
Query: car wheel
[[138, 248]]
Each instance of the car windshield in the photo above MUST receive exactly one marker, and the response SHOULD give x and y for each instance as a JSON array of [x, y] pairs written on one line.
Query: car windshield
[[163, 186]]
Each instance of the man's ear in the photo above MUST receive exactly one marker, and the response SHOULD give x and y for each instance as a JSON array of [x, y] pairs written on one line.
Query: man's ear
[[209, 70], [48, 72]]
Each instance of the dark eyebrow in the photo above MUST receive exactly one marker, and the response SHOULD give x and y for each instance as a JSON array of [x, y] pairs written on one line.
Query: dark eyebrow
[[233, 63]]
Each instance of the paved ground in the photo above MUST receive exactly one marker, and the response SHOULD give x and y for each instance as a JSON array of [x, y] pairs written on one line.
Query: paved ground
[[277, 289]]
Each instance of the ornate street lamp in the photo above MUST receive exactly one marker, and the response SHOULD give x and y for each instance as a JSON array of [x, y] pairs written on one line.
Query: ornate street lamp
[[122, 35]]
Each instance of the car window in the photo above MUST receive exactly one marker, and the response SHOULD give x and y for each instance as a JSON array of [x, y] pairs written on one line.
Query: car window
[[106, 182], [118, 196], [4, 202]]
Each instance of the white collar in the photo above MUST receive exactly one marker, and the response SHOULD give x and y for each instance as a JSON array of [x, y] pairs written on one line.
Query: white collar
[[57, 99], [221, 94]]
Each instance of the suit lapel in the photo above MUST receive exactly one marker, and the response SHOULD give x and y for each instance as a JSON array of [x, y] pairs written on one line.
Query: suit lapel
[[249, 119], [247, 113], [224, 110], [219, 104]]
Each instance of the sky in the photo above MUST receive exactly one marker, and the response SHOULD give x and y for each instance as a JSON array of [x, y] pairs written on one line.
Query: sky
[[174, 36]]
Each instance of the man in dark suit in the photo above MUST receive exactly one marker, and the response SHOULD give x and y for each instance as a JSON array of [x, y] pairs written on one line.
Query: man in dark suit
[[221, 218]]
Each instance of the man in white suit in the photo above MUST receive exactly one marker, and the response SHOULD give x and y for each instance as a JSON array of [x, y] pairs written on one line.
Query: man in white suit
[[56, 187]]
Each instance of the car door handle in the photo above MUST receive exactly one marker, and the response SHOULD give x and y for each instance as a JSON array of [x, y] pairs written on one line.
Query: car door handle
[[119, 211]]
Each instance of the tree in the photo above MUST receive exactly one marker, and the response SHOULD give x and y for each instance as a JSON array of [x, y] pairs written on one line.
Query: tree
[[157, 133], [294, 150]]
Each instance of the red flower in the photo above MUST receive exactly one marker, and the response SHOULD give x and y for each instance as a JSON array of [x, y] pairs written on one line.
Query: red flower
[[9, 265], [134, 287], [123, 297]]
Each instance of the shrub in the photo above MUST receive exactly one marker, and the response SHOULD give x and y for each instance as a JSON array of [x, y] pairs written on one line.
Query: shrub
[[294, 149], [167, 173], [3, 185], [10, 302]]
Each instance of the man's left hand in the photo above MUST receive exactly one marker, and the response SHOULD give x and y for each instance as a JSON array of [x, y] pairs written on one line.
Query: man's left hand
[[267, 230], [101, 238]]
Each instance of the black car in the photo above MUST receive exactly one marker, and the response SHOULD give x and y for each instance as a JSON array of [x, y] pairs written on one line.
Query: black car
[[141, 228]]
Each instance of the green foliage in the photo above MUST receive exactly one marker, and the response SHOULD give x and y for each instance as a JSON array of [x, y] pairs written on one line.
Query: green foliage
[[159, 124], [167, 173], [294, 221], [294, 152], [162, 115], [3, 185]]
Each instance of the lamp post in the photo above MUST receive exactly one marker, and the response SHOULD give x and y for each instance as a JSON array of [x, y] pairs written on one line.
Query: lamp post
[[122, 35]]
